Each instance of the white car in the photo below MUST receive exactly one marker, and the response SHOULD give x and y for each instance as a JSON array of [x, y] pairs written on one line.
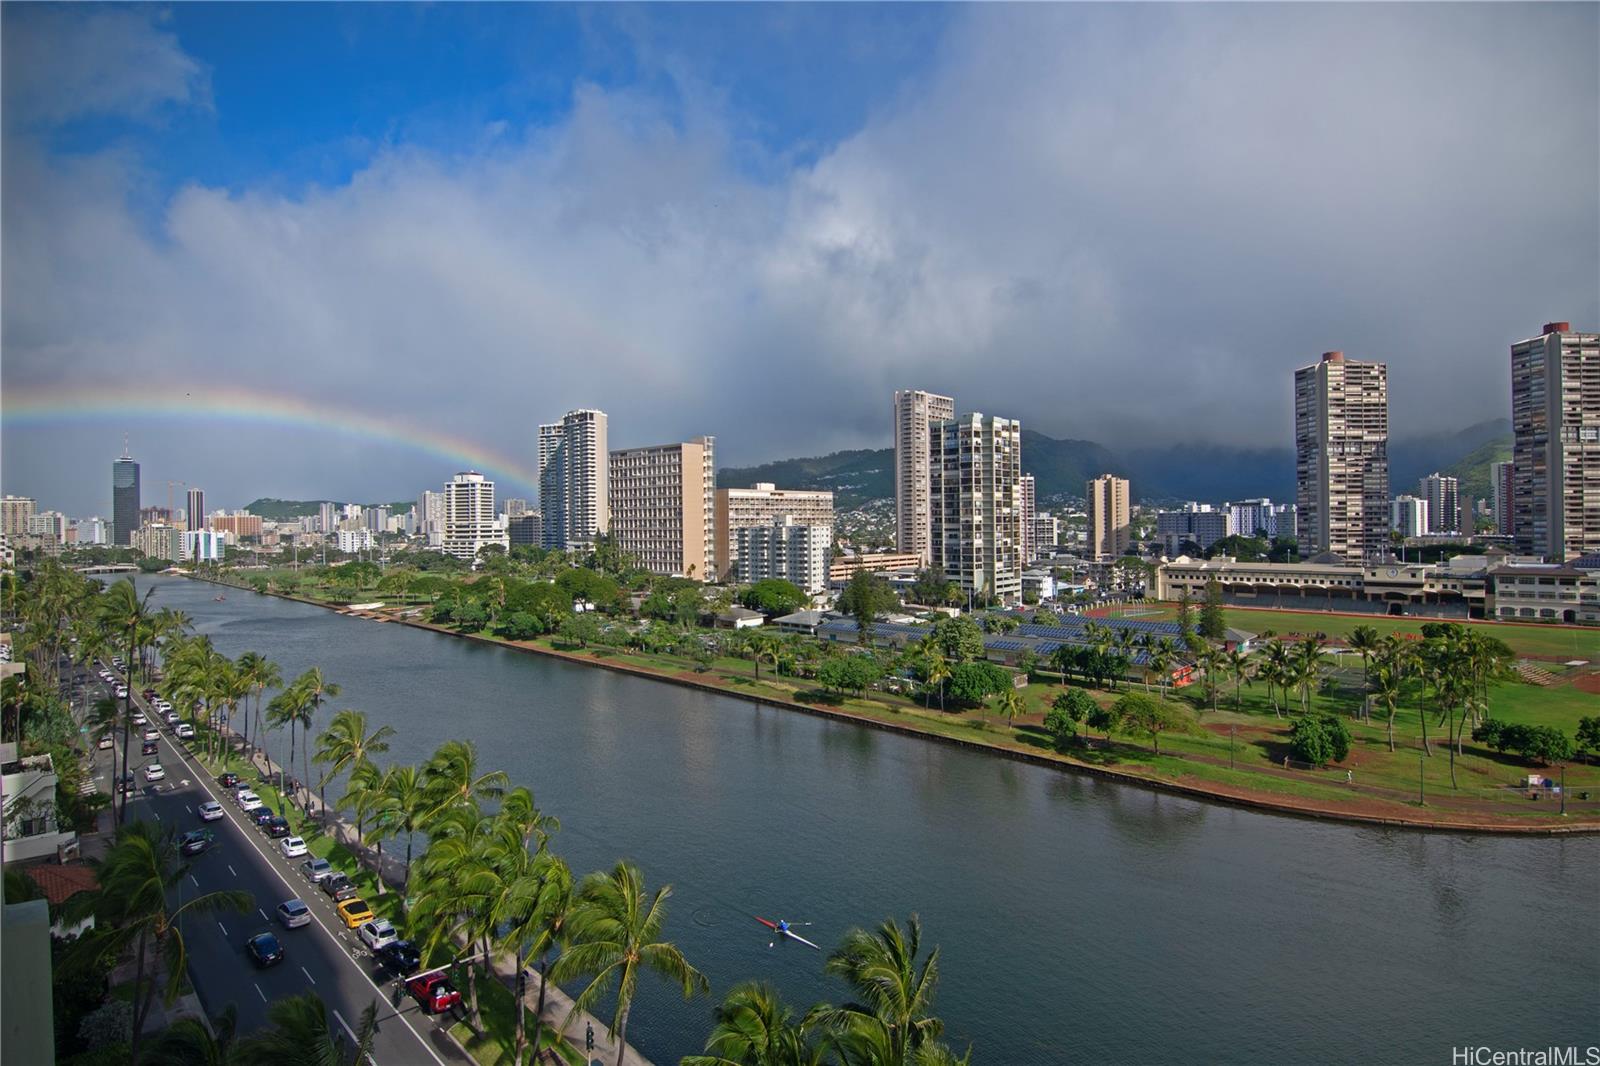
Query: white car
[[106, 743], [249, 801], [154, 772], [292, 847], [162, 705], [122, 692], [139, 719], [378, 933], [172, 717], [151, 734], [185, 731], [210, 811]]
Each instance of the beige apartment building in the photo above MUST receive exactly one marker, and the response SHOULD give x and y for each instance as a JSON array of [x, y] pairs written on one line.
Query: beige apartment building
[[914, 413], [1555, 461], [844, 567], [763, 504], [15, 513], [1110, 528], [1341, 438], [662, 500]]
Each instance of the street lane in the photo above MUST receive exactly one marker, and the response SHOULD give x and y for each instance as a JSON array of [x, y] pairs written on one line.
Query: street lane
[[317, 957]]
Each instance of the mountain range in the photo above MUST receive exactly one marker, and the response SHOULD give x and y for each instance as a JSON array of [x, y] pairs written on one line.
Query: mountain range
[[1171, 472]]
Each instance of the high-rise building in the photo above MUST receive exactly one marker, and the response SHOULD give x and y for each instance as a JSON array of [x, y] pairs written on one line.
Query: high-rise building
[[523, 530], [125, 499], [201, 546], [1261, 516], [1341, 436], [1409, 515], [762, 505], [241, 524], [430, 518], [327, 517], [1443, 494], [1028, 513], [469, 519], [785, 549], [376, 518], [574, 498], [515, 506], [662, 507], [351, 541], [1046, 532], [49, 524], [91, 530], [157, 541], [1500, 489], [1555, 420], [1195, 523], [1110, 532], [15, 511], [914, 413], [976, 488], [195, 509]]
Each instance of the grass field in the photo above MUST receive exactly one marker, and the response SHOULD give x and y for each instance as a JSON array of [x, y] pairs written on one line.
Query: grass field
[[1527, 639]]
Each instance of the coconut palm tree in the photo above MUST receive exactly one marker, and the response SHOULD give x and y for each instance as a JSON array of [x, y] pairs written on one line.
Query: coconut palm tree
[[402, 807], [1387, 681], [1307, 668], [317, 688], [302, 1034], [614, 932], [364, 797], [453, 778], [262, 674], [536, 916], [124, 613], [1010, 704], [188, 1041], [1364, 641], [139, 879], [1239, 663], [890, 1021], [519, 811], [755, 1028], [291, 707], [346, 745], [936, 671], [444, 909]]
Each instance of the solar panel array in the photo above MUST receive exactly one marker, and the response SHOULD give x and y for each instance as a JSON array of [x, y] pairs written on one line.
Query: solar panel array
[[1042, 640]]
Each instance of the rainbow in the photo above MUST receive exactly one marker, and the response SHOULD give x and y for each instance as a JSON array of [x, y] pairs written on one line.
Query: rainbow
[[49, 405]]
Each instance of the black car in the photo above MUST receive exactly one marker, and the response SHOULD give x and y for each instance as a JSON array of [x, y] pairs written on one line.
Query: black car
[[399, 958], [150, 747], [229, 780], [196, 842], [264, 949], [128, 783], [262, 816], [340, 887], [277, 827]]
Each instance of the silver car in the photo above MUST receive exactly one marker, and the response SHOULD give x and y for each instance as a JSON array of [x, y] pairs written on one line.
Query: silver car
[[316, 870], [293, 913]]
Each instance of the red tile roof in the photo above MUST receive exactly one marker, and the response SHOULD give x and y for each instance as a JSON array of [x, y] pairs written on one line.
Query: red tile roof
[[61, 883]]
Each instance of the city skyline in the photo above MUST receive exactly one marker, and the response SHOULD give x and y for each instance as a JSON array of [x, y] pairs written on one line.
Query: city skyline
[[833, 262]]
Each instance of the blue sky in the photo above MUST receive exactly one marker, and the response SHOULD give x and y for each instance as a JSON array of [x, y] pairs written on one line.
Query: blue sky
[[1124, 223]]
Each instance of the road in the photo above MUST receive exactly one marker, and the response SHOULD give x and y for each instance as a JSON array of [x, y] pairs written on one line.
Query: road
[[317, 957]]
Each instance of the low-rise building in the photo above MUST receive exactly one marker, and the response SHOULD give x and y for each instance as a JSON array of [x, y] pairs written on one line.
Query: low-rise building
[[29, 784], [351, 541], [1546, 591], [844, 567]]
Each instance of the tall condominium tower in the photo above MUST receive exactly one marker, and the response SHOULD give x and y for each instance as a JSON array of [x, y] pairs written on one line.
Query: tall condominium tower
[[975, 485], [1110, 531], [1028, 511], [1500, 497], [124, 498], [662, 501], [574, 499], [1443, 494], [914, 412], [469, 519], [15, 514], [1341, 437], [195, 509], [1555, 419]]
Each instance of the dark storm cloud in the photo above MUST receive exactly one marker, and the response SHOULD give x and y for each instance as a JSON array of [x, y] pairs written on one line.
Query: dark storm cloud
[[1104, 221]]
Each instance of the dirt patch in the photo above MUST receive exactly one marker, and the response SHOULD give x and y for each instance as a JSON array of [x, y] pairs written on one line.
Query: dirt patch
[[1587, 683]]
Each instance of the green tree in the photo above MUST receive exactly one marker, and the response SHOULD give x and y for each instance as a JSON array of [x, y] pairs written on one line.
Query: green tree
[[1319, 739], [1587, 740], [614, 933], [1364, 641], [866, 597], [774, 596], [959, 639], [580, 629], [890, 1022], [129, 616], [188, 1041], [1146, 714], [1010, 703], [1067, 710], [754, 1028], [1213, 624], [973, 683], [301, 1033], [346, 745]]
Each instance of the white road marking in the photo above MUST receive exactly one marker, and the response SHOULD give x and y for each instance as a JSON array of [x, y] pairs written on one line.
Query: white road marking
[[260, 993], [224, 931], [313, 980], [434, 1055], [188, 808], [232, 871], [196, 883], [158, 818], [263, 914]]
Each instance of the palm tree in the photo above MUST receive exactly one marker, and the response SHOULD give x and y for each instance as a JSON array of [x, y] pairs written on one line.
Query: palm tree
[[454, 781], [123, 612], [755, 1028], [615, 930], [140, 875], [364, 798], [346, 745], [1307, 668], [890, 1021], [290, 707], [403, 806], [444, 907], [1239, 663], [317, 688], [1126, 641], [936, 671], [1387, 681], [1010, 702], [1364, 642], [263, 674], [519, 811], [302, 1034], [536, 918], [1162, 656], [188, 1041], [1211, 659]]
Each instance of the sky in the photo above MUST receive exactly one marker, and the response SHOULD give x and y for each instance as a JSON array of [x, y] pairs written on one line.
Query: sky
[[343, 251]]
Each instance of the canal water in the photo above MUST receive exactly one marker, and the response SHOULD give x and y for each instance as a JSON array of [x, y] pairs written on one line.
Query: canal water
[[1078, 920]]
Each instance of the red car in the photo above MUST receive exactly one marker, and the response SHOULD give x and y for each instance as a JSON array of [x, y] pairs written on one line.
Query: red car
[[434, 992]]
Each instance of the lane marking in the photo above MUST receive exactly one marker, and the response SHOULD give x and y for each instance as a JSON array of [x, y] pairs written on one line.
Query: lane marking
[[187, 757], [260, 993], [263, 914], [196, 883], [307, 972], [158, 818], [188, 808], [224, 931], [232, 871]]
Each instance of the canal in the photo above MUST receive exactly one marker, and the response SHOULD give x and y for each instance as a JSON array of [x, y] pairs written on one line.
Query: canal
[[1079, 920]]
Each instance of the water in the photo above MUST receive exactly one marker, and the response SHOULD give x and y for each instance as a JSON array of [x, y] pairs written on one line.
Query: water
[[1078, 920]]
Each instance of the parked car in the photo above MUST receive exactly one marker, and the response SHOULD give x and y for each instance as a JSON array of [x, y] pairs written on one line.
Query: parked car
[[294, 913], [248, 801], [399, 957], [277, 827], [127, 783], [261, 816], [149, 747], [149, 693], [228, 780], [434, 992], [196, 842], [154, 772], [210, 811], [265, 950], [354, 911], [122, 692], [185, 731], [172, 717], [316, 870], [106, 743], [293, 847], [378, 933], [340, 887], [140, 719]]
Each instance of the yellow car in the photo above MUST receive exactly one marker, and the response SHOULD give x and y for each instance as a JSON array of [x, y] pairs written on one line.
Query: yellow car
[[355, 911]]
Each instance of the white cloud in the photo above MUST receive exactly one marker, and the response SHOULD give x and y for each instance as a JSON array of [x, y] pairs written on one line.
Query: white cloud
[[1104, 221]]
